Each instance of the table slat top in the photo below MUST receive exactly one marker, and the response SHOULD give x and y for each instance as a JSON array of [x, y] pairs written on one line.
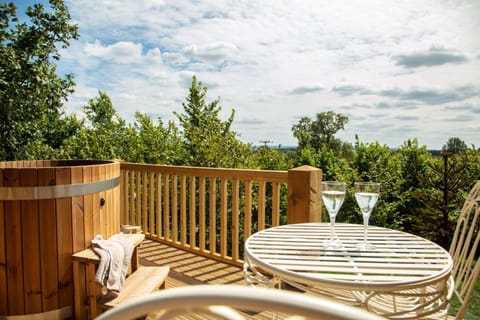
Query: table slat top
[[295, 252]]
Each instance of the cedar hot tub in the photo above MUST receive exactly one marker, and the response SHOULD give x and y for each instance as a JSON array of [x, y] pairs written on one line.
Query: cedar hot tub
[[48, 211]]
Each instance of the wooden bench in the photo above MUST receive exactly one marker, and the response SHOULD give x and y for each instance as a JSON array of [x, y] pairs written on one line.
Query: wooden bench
[[87, 292], [142, 281]]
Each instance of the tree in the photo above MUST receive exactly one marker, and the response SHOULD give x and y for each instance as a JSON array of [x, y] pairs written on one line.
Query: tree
[[447, 179], [303, 132], [266, 158], [375, 162], [320, 132], [454, 145], [105, 135], [151, 143], [413, 162], [209, 141], [33, 123]]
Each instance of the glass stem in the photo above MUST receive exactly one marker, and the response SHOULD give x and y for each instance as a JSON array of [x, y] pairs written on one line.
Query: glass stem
[[366, 217], [332, 227]]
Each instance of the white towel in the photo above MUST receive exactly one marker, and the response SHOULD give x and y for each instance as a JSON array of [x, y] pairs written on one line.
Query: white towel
[[128, 248], [115, 255]]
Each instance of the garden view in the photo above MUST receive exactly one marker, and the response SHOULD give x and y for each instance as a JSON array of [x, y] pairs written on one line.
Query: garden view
[[422, 191]]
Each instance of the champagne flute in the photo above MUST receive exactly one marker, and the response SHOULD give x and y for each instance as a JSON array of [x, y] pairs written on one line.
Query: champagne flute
[[366, 194], [333, 194]]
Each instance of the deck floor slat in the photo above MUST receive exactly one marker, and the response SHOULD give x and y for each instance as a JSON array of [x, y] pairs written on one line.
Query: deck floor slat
[[187, 269]]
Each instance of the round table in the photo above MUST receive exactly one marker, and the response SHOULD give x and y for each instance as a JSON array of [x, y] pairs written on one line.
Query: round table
[[405, 276]]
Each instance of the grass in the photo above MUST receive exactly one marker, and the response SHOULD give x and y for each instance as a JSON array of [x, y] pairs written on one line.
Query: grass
[[473, 311]]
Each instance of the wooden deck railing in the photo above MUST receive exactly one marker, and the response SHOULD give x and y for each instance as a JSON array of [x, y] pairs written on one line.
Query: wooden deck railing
[[211, 211]]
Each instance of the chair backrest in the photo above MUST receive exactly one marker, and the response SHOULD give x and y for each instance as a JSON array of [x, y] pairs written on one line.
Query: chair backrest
[[464, 247], [225, 301]]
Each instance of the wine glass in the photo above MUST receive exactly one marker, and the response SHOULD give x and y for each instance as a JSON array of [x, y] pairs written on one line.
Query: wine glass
[[366, 194], [333, 194]]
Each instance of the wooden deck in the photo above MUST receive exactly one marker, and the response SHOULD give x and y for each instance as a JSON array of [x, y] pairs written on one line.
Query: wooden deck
[[187, 268]]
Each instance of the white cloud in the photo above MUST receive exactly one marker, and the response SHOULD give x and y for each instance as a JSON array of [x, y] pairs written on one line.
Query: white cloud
[[185, 78], [432, 57], [216, 52], [275, 62], [120, 52], [154, 56], [308, 88]]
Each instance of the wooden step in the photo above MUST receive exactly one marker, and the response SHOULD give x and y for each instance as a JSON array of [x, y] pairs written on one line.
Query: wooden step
[[143, 281]]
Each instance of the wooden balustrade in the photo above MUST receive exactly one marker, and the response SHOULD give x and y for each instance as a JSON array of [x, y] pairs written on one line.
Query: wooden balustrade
[[211, 211]]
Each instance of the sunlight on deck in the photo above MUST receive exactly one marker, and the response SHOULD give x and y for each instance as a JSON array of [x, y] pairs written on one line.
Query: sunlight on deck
[[187, 268]]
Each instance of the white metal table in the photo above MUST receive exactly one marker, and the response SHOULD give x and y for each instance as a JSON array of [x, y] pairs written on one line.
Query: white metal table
[[406, 276]]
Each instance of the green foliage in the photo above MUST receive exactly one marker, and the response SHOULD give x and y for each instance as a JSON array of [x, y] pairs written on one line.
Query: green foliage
[[454, 145], [413, 161], [305, 157], [320, 132], [473, 309], [375, 162], [334, 167], [209, 141], [33, 123], [103, 136], [152, 143], [421, 193], [303, 132], [446, 182], [270, 159]]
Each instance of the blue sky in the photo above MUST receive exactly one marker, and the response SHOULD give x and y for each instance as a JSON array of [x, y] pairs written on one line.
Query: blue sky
[[397, 69]]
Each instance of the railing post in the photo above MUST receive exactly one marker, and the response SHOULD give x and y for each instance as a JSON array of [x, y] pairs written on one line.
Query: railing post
[[304, 195]]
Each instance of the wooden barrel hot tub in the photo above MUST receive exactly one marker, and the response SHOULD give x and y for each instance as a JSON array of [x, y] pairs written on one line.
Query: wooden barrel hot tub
[[48, 211]]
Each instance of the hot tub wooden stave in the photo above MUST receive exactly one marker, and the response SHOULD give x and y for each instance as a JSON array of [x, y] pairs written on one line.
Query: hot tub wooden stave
[[48, 211]]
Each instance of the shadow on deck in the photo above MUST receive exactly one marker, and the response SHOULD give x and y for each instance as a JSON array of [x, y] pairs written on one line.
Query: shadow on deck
[[187, 268]]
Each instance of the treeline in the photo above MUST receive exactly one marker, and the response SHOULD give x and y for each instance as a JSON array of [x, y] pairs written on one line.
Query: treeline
[[421, 193]]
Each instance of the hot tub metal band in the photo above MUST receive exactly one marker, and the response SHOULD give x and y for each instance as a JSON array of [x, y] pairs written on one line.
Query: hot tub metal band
[[57, 191]]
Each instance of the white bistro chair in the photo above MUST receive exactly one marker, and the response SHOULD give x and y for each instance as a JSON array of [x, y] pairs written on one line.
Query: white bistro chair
[[225, 301], [464, 250]]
